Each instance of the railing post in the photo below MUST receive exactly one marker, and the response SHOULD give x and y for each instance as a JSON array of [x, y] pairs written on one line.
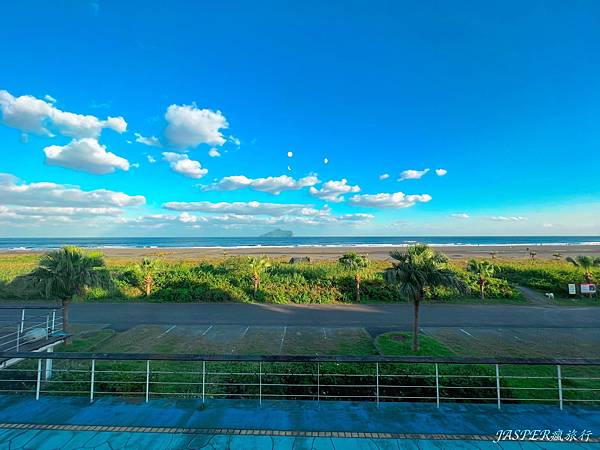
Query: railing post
[[560, 392], [92, 380], [18, 335], [203, 378], [22, 320], [377, 381], [53, 319], [437, 385], [47, 326], [48, 372], [39, 380], [147, 380], [260, 383], [318, 382], [498, 384]]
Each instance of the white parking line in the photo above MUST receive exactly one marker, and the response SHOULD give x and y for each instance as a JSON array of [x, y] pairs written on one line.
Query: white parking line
[[161, 335], [206, 331], [467, 333], [282, 338], [324, 334], [244, 335]]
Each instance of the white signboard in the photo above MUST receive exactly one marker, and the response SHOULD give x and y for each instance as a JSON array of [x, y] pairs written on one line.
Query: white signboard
[[588, 288], [572, 289]]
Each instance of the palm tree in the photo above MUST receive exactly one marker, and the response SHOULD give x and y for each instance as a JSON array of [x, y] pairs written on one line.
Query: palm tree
[[557, 256], [65, 273], [484, 271], [258, 267], [587, 263], [355, 262], [147, 268], [418, 268]]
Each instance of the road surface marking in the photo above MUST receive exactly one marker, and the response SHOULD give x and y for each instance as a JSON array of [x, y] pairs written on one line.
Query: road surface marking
[[244, 335], [324, 334], [467, 333], [206, 331], [161, 335], [282, 338]]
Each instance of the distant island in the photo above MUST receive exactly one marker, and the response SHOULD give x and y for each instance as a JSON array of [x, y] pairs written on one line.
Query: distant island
[[278, 233]]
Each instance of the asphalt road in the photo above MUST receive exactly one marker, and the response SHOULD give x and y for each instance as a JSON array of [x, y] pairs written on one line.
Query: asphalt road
[[127, 315]]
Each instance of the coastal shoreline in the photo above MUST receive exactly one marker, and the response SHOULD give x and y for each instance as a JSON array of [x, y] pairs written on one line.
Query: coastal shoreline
[[377, 252]]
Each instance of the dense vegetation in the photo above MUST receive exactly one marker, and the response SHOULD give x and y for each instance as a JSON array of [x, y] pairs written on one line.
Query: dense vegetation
[[232, 279]]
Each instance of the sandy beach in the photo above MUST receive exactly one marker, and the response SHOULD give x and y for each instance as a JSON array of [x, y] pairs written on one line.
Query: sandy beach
[[325, 253]]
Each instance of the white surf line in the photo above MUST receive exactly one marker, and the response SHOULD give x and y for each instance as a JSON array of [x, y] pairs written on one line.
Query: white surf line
[[206, 331], [161, 335], [282, 338], [467, 333]]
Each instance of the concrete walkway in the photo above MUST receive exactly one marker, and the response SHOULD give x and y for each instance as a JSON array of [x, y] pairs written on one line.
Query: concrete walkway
[[71, 422]]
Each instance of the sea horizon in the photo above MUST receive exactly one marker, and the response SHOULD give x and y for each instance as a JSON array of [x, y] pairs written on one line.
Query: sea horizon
[[42, 243]]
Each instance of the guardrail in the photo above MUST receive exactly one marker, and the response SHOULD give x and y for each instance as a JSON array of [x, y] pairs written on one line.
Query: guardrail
[[28, 325], [317, 378]]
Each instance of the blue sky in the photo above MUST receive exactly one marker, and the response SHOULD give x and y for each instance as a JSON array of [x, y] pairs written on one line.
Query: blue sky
[[504, 97]]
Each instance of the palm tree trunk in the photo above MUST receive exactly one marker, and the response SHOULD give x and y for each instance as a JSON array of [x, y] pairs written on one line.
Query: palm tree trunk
[[416, 304], [66, 320], [148, 283], [481, 288], [256, 280], [357, 281]]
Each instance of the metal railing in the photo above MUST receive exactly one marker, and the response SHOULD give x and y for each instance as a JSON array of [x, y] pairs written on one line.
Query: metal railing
[[26, 325], [317, 378]]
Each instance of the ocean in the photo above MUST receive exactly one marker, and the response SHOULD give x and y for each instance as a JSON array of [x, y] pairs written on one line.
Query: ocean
[[300, 241]]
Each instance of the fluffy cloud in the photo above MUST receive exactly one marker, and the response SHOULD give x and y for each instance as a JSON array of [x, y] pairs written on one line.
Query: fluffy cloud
[[214, 153], [181, 163], [441, 172], [412, 174], [245, 208], [188, 126], [333, 191], [151, 141], [385, 200], [272, 185], [508, 218], [384, 176], [32, 115], [85, 155], [460, 215], [46, 194]]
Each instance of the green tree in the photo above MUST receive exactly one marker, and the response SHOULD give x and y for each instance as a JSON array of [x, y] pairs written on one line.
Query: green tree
[[355, 262], [66, 273], [586, 263], [418, 268], [258, 266], [147, 269], [484, 270]]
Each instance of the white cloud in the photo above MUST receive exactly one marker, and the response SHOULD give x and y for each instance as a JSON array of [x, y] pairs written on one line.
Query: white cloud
[[49, 98], [333, 191], [441, 172], [290, 154], [245, 208], [151, 141], [384, 176], [460, 215], [412, 174], [46, 194], [150, 159], [85, 155], [272, 185], [508, 218], [385, 200], [181, 163], [235, 141], [33, 115], [325, 160], [188, 126], [214, 153]]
